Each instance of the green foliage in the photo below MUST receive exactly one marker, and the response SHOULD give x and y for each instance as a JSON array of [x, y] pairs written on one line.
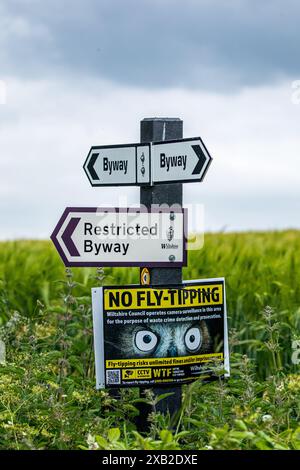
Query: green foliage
[[47, 394]]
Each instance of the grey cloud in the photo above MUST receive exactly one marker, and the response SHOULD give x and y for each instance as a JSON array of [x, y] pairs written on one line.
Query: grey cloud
[[214, 45], [48, 127]]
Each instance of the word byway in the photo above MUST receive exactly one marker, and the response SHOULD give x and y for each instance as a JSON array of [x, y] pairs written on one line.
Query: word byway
[[115, 165], [96, 248], [174, 161]]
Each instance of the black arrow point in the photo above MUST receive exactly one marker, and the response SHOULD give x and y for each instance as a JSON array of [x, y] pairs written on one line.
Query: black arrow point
[[90, 166], [201, 159], [67, 236]]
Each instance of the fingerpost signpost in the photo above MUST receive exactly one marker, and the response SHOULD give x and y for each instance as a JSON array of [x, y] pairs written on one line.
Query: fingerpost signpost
[[164, 332], [153, 130]]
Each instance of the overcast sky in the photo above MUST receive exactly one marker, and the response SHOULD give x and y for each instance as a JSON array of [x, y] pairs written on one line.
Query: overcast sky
[[79, 73]]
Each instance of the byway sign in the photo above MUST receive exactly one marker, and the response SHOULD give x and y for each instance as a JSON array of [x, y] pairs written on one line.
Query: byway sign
[[91, 236], [173, 161], [117, 165]]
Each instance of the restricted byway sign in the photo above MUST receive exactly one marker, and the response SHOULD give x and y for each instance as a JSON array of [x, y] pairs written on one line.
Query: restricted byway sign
[[91, 236], [172, 161], [185, 160], [117, 165]]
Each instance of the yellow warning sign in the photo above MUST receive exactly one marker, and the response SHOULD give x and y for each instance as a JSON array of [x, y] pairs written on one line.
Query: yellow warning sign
[[160, 334], [152, 298]]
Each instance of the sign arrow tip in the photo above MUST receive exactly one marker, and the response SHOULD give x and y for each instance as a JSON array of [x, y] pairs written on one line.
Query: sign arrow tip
[[67, 236], [201, 159], [90, 166]]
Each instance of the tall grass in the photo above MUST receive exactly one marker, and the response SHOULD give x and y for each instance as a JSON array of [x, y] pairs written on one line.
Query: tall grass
[[47, 389], [260, 269]]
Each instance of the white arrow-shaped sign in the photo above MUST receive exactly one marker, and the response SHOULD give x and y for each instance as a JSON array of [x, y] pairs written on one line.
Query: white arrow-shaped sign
[[179, 161], [116, 165], [172, 161], [91, 236]]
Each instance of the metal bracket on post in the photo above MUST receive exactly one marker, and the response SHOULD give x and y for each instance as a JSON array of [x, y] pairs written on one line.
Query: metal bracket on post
[[158, 129]]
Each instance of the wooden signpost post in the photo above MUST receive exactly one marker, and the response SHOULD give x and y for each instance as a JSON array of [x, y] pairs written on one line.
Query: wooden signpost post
[[160, 129]]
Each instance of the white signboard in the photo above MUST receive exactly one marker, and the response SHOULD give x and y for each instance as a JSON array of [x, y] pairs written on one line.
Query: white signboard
[[91, 236], [173, 161], [179, 161], [117, 165]]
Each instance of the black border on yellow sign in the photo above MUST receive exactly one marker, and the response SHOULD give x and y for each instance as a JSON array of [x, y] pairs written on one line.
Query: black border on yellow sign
[[99, 318]]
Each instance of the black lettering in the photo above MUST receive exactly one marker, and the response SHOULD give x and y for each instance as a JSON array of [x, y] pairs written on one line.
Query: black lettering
[[149, 303], [193, 295], [215, 294], [140, 296], [107, 247], [88, 246], [114, 298], [158, 294], [172, 295], [185, 294], [97, 230], [88, 228], [205, 295], [105, 164], [153, 230], [162, 160], [126, 299]]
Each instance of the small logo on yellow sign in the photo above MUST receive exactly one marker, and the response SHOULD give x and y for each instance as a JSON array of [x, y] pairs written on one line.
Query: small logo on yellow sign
[[128, 374], [143, 373], [131, 374]]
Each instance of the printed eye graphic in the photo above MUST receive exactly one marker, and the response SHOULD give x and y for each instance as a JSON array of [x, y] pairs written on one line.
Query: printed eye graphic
[[193, 339], [145, 340]]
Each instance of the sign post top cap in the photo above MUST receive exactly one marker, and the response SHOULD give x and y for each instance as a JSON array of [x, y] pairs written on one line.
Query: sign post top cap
[[161, 119]]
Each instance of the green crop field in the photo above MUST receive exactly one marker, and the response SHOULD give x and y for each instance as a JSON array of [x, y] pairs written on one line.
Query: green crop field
[[47, 394]]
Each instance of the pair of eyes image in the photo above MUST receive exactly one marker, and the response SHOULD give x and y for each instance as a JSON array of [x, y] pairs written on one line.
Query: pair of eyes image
[[147, 340]]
